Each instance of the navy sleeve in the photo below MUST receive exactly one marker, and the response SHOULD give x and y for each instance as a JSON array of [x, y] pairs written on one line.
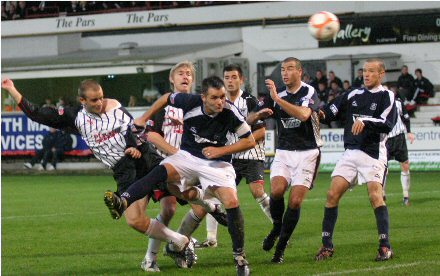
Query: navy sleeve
[[252, 104], [385, 122], [156, 122], [61, 118], [405, 117], [184, 101], [335, 107]]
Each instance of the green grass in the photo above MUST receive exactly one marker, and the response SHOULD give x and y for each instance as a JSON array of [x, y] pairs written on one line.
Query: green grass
[[58, 225]]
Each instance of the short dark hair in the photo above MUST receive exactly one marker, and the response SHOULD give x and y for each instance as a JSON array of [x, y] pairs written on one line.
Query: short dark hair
[[347, 81], [298, 64], [419, 70], [404, 66], [88, 84], [212, 82], [233, 67]]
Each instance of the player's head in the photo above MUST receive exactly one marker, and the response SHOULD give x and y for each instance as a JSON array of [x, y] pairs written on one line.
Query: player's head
[[91, 96], [291, 71], [374, 72], [213, 95], [233, 78], [182, 76]]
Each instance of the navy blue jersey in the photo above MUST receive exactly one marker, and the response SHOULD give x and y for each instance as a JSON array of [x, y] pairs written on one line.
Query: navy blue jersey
[[377, 111], [292, 133], [201, 130]]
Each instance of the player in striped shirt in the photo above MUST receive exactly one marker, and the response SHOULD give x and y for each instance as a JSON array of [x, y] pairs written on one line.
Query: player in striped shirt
[[370, 115], [397, 148], [297, 155], [106, 127], [165, 133]]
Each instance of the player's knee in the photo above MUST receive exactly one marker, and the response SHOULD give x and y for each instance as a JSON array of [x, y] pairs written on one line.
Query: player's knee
[[257, 189], [376, 199], [333, 197], [295, 202], [230, 203]]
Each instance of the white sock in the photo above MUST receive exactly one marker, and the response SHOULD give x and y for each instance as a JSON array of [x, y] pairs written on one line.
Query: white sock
[[153, 244], [264, 203], [208, 206], [405, 180], [211, 228], [189, 224], [157, 230]]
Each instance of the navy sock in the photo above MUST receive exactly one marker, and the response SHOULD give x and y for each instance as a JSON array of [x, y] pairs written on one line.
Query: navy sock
[[328, 225], [276, 212], [291, 218], [145, 185], [236, 229], [382, 222]]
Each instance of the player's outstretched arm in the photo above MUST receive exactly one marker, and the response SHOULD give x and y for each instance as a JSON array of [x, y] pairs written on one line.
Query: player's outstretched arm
[[9, 86], [241, 145], [157, 140], [156, 107]]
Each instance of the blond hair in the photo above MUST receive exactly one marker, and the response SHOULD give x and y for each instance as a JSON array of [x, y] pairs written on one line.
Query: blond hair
[[185, 63]]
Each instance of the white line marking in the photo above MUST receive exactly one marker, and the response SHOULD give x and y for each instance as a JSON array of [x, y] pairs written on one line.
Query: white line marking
[[376, 268]]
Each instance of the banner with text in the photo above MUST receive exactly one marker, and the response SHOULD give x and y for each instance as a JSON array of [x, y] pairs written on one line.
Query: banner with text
[[423, 154], [22, 136], [374, 30]]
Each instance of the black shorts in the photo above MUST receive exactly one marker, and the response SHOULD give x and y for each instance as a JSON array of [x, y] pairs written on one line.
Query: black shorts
[[128, 170], [396, 147], [252, 170]]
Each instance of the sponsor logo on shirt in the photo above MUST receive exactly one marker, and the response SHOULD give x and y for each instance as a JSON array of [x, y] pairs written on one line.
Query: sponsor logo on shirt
[[290, 122]]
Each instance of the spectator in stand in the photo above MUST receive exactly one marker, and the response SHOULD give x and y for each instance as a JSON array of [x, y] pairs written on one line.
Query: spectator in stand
[[405, 82], [423, 88], [307, 79], [21, 10], [150, 95], [48, 103], [132, 101], [335, 90], [34, 10], [358, 82], [12, 12], [332, 77], [55, 143], [73, 7], [4, 13], [322, 93], [346, 86], [320, 77]]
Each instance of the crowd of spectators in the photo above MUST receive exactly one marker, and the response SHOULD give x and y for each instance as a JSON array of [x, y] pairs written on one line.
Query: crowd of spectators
[[15, 10]]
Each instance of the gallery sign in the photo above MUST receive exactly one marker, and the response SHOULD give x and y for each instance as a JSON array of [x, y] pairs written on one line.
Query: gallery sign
[[389, 29]]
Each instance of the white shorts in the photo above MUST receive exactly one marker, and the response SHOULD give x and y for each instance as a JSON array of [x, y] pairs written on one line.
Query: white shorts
[[208, 172], [297, 167], [357, 165]]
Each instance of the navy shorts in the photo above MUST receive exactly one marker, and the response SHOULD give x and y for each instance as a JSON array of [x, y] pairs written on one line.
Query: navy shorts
[[251, 170], [397, 149]]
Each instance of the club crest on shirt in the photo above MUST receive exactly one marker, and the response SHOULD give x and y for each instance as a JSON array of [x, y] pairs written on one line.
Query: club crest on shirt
[[373, 106]]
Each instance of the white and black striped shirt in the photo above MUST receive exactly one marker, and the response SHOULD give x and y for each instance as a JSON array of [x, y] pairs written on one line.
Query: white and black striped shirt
[[245, 104], [164, 124], [403, 122], [104, 133]]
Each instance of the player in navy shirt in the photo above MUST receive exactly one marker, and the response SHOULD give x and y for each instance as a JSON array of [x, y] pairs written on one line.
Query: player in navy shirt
[[297, 156], [203, 156], [370, 116]]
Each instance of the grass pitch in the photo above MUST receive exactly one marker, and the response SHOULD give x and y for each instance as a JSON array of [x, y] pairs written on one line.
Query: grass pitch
[[59, 225]]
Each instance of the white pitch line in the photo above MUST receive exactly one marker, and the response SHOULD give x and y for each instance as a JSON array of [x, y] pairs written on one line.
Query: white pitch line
[[157, 209], [376, 268]]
